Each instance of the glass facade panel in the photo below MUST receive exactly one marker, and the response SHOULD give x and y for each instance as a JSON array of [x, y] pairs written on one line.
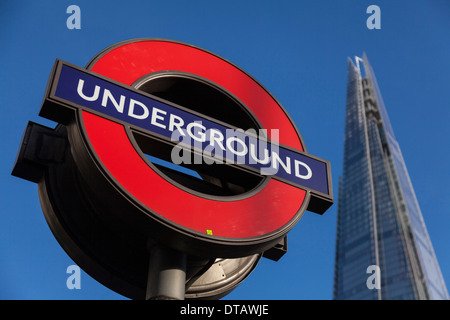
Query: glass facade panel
[[379, 219]]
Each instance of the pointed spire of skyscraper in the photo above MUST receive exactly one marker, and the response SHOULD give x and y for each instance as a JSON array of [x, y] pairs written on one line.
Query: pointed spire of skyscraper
[[379, 219]]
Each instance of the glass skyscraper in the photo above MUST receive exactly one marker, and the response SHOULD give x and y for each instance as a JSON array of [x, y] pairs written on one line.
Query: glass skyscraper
[[379, 220]]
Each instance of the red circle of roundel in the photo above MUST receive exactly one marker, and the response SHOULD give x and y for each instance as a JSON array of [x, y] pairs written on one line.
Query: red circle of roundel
[[257, 214]]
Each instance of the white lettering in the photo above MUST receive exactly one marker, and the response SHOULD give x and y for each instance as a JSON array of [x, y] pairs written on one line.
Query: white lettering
[[156, 116], [230, 146], [216, 136], [202, 135], [236, 309], [297, 170], [107, 95], [197, 310], [81, 94], [228, 309], [276, 161], [176, 122], [137, 116]]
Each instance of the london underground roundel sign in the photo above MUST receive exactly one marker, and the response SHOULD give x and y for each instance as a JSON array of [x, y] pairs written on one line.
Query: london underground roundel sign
[[163, 144], [253, 178]]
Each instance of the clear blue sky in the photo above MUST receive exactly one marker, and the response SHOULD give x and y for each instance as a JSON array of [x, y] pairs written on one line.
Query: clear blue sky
[[296, 49]]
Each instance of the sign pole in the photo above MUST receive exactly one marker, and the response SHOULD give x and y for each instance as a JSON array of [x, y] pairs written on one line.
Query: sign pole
[[166, 274]]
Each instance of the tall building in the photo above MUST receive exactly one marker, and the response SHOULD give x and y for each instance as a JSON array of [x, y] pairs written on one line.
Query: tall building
[[379, 220]]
